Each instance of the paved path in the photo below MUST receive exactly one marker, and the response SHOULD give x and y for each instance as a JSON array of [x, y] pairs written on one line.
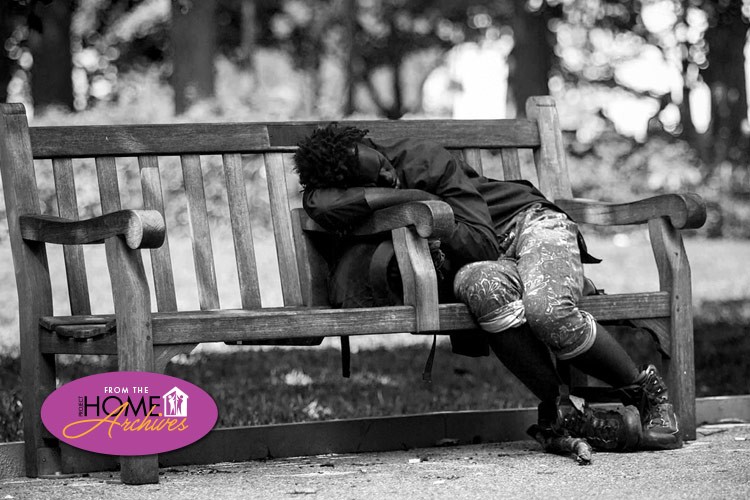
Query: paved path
[[717, 465]]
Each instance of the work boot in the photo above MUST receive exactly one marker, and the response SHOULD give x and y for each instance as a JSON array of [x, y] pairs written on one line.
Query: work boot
[[660, 428], [605, 430]]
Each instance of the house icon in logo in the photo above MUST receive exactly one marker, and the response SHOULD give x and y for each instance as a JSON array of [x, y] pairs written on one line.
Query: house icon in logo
[[175, 403]]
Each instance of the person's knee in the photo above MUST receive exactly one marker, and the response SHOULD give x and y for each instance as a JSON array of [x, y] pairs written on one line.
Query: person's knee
[[560, 325]]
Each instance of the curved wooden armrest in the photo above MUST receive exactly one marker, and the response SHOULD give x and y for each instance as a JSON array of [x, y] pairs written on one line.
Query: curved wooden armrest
[[685, 211], [431, 219], [140, 228]]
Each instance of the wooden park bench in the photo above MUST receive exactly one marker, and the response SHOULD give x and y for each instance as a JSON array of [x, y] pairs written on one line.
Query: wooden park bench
[[146, 339]]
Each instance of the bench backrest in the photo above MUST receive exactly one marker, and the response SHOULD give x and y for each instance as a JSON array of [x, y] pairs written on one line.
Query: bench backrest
[[235, 148]]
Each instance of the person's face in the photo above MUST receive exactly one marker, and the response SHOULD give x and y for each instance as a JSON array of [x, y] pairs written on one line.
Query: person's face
[[374, 169]]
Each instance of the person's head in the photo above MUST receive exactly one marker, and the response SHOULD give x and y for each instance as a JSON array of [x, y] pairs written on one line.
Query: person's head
[[334, 156]]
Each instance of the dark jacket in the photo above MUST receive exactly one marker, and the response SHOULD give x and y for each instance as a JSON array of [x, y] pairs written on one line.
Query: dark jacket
[[482, 208]]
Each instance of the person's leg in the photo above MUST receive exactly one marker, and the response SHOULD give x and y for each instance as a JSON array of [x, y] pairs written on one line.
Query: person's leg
[[551, 270], [526, 357]]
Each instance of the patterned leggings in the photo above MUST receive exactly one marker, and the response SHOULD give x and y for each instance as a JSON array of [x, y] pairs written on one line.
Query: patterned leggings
[[549, 263]]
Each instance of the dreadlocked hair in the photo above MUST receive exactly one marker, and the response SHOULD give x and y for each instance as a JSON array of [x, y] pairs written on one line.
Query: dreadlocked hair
[[323, 159]]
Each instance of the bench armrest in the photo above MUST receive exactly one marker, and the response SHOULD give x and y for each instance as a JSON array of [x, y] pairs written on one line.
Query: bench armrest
[[410, 224], [140, 228], [431, 219], [685, 211]]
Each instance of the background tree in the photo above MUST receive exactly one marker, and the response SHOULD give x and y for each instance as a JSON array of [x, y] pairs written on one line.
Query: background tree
[[49, 40], [533, 56], [193, 35], [724, 74]]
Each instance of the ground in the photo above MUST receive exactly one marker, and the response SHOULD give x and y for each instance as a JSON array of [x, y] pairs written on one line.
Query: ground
[[716, 465]]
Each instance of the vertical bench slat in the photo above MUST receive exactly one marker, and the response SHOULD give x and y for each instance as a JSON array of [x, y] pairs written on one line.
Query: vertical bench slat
[[473, 157], [550, 156], [109, 190], [511, 164], [161, 262], [282, 228], [75, 265], [208, 293], [241, 231]]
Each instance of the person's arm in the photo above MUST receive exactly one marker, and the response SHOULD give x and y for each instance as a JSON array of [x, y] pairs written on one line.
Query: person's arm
[[428, 167], [338, 209], [378, 197]]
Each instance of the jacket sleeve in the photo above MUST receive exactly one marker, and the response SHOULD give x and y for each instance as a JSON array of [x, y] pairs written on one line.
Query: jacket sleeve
[[431, 168], [337, 210]]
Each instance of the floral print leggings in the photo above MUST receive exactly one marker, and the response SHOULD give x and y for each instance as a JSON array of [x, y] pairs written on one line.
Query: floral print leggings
[[545, 247]]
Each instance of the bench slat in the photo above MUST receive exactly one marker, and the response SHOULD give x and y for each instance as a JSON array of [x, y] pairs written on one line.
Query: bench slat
[[304, 322], [223, 138], [208, 294], [161, 262], [453, 134], [473, 157], [75, 264], [282, 228], [241, 231], [511, 164]]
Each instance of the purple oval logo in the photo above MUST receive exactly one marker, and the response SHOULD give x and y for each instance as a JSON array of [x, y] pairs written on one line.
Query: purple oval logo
[[129, 413]]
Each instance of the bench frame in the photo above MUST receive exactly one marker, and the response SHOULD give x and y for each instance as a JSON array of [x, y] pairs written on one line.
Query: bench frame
[[146, 340]]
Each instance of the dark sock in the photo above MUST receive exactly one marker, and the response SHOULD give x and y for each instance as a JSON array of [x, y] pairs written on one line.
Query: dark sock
[[528, 359], [607, 361]]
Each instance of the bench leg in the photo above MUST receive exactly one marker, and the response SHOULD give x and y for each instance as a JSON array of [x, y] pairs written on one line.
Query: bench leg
[[42, 452], [674, 276], [135, 348]]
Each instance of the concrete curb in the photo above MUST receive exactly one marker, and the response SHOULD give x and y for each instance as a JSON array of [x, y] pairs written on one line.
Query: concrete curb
[[708, 411]]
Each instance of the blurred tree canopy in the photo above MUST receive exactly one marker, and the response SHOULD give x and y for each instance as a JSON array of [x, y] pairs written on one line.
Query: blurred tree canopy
[[589, 54]]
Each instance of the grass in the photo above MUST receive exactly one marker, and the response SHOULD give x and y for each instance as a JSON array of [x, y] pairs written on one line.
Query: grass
[[255, 387], [261, 386]]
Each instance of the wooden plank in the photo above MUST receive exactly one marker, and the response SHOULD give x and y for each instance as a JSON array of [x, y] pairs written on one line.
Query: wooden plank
[[134, 140], [306, 322], [75, 265], [551, 161], [418, 277], [200, 233], [453, 134], [133, 309], [224, 138], [511, 164], [282, 229], [32, 283], [674, 278], [239, 213], [161, 261], [473, 156], [312, 266]]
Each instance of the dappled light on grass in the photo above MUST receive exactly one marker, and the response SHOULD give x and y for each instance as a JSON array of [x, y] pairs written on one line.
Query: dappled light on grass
[[293, 385]]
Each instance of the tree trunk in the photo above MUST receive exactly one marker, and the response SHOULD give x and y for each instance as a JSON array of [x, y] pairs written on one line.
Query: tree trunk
[[532, 57], [725, 75], [350, 53], [248, 34], [194, 47], [51, 74]]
